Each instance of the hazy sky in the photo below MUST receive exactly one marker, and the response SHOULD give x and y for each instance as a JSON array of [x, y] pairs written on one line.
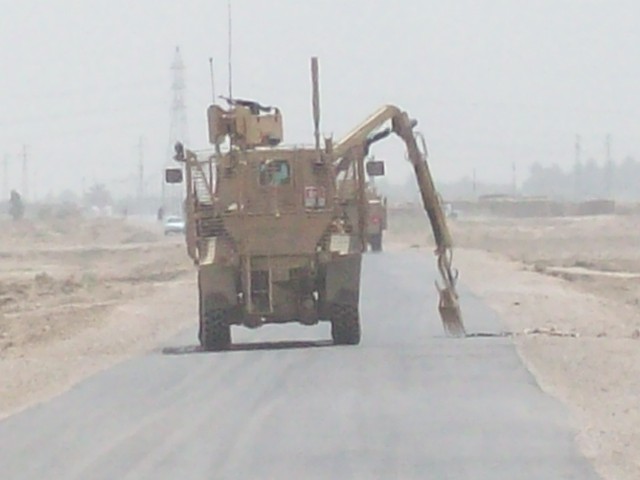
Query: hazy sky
[[491, 82]]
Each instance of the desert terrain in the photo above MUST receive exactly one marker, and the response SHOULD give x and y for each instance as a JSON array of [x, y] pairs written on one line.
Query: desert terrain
[[68, 287], [75, 297], [568, 291]]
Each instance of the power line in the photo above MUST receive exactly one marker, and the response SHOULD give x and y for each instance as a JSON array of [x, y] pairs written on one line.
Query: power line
[[97, 112], [90, 90]]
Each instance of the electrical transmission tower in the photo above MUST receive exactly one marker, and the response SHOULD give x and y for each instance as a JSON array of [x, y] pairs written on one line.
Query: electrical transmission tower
[[179, 129]]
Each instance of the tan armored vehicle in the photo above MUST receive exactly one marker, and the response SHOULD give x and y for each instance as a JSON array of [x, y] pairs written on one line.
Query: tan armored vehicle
[[277, 233]]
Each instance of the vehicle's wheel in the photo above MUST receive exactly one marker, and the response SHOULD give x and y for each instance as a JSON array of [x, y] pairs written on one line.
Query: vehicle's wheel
[[345, 324], [215, 333], [376, 242]]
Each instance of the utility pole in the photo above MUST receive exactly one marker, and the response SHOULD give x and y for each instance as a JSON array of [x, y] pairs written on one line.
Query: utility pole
[[474, 184], [140, 192], [608, 169], [514, 184], [5, 177], [577, 168], [25, 173]]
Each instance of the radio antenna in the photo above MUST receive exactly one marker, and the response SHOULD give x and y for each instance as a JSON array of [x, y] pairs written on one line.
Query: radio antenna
[[230, 50], [213, 86], [316, 101]]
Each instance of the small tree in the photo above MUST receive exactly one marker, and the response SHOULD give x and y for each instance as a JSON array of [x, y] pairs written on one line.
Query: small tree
[[16, 206], [98, 196]]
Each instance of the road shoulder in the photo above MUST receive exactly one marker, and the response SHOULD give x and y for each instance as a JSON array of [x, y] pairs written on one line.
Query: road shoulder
[[567, 339]]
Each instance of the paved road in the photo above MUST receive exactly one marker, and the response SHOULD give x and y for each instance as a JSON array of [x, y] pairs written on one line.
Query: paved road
[[407, 403]]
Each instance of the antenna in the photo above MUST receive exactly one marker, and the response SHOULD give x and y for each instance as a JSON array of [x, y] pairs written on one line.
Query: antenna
[[316, 101], [213, 87], [230, 51]]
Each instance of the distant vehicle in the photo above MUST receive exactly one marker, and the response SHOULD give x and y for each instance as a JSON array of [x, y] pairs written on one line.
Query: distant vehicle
[[377, 222], [174, 225], [450, 212]]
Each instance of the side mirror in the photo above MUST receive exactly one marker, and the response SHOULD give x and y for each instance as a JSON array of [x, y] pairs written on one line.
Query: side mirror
[[173, 175], [375, 168]]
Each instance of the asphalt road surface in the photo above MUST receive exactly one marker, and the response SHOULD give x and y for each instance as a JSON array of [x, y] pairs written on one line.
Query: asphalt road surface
[[285, 404]]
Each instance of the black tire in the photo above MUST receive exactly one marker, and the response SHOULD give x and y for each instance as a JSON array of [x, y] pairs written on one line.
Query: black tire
[[215, 333], [345, 324], [376, 242]]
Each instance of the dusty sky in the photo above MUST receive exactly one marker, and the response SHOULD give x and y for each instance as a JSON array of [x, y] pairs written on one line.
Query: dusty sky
[[491, 81]]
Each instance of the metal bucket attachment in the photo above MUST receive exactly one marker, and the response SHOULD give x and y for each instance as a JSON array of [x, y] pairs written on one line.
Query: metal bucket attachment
[[450, 313], [448, 304]]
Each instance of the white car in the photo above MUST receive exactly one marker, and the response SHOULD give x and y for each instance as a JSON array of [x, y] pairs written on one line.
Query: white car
[[173, 225]]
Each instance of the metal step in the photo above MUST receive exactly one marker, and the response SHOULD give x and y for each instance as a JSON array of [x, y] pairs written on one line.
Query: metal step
[[201, 187]]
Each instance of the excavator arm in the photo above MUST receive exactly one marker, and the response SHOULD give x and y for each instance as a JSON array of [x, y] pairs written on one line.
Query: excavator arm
[[355, 145]]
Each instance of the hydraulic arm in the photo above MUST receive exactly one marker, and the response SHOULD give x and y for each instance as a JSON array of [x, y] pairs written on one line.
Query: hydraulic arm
[[355, 146]]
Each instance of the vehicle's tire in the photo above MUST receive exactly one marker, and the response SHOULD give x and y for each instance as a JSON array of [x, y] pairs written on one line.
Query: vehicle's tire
[[376, 242], [215, 333], [345, 324]]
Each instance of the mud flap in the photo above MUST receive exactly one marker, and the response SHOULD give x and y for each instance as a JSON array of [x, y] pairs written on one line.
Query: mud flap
[[217, 286], [343, 280]]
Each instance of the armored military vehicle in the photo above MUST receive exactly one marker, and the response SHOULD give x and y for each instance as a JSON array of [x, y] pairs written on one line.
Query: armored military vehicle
[[277, 233]]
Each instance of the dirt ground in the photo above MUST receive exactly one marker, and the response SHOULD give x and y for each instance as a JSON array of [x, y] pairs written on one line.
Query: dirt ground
[[63, 284], [77, 296], [569, 291]]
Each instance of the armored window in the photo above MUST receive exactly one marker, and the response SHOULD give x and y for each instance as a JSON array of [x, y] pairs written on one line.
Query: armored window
[[275, 172]]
